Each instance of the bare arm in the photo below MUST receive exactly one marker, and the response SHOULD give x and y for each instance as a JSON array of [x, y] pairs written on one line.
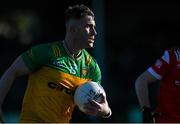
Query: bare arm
[[18, 68], [141, 86]]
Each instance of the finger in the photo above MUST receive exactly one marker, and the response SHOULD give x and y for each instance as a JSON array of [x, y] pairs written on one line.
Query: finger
[[90, 110], [94, 103], [102, 98]]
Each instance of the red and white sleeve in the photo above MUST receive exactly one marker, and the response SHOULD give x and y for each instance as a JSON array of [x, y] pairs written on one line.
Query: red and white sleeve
[[161, 66]]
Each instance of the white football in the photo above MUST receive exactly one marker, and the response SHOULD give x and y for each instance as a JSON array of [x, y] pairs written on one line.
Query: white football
[[88, 90]]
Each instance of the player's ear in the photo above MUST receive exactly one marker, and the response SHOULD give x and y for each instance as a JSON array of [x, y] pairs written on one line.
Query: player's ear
[[70, 27], [73, 28]]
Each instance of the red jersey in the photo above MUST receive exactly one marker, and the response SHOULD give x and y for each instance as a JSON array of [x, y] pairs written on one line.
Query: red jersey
[[167, 69]]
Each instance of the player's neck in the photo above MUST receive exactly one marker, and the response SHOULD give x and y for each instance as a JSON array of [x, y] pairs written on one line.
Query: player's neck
[[71, 49]]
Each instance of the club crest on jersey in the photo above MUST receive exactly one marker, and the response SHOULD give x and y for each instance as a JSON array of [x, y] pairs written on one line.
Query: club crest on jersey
[[84, 71], [71, 67], [59, 63]]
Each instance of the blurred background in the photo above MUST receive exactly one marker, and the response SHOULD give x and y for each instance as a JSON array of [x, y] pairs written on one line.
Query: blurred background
[[131, 36]]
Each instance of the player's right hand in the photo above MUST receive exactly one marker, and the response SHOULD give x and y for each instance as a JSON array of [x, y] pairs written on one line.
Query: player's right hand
[[100, 108]]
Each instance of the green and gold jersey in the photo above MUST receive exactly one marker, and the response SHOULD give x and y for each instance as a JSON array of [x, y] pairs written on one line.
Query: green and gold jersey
[[54, 77]]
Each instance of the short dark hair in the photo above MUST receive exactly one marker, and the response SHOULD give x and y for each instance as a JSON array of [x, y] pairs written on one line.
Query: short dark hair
[[77, 12]]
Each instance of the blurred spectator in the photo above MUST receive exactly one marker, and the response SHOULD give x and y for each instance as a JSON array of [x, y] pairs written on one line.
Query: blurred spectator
[[21, 24]]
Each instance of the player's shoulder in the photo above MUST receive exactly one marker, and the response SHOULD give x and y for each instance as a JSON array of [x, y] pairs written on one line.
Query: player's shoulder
[[87, 54], [176, 52], [173, 49], [56, 48], [49, 48], [173, 53], [88, 57], [53, 44]]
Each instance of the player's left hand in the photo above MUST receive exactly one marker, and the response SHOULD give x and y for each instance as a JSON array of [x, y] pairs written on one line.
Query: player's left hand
[[100, 108]]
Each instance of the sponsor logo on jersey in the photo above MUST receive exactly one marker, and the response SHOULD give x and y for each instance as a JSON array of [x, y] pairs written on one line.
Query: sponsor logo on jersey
[[59, 63], [71, 67], [84, 71]]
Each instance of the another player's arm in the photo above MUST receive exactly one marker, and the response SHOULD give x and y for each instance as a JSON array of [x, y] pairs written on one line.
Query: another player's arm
[[153, 74], [141, 86], [18, 68]]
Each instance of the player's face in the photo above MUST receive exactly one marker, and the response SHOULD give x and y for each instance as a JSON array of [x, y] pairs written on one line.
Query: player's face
[[86, 32]]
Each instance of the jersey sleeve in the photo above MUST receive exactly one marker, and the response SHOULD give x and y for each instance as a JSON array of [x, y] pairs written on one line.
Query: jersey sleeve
[[162, 65], [36, 56]]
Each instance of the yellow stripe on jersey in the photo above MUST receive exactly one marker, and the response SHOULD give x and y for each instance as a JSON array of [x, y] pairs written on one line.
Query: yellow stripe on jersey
[[88, 60], [65, 79], [56, 50]]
